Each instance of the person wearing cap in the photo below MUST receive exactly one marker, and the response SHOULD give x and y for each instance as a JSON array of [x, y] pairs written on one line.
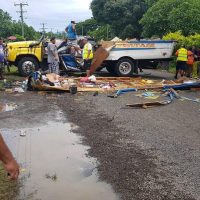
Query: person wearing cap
[[53, 58], [71, 31], [87, 55]]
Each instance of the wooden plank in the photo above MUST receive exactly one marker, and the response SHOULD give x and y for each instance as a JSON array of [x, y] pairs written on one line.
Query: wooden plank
[[100, 55]]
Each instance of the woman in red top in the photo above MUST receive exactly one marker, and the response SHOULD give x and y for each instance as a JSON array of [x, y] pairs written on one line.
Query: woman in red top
[[190, 62]]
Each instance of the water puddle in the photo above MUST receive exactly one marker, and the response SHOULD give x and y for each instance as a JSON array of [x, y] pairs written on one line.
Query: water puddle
[[7, 107], [54, 165]]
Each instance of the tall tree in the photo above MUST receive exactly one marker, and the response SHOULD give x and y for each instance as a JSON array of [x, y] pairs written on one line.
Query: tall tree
[[10, 27], [170, 16], [122, 15], [5, 24], [83, 28]]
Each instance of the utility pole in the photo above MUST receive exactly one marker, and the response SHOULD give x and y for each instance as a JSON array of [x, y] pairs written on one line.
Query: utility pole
[[51, 31], [21, 11], [43, 27]]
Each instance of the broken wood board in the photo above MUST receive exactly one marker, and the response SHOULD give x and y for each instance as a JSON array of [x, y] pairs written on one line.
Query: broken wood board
[[100, 55], [118, 83], [148, 104]]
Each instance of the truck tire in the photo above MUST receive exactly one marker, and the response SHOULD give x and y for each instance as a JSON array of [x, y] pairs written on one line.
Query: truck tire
[[27, 65], [125, 67]]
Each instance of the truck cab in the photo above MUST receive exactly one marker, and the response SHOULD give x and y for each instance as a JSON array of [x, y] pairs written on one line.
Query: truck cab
[[28, 56]]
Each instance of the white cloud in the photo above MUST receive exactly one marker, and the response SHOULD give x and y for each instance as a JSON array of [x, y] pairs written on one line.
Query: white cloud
[[55, 13]]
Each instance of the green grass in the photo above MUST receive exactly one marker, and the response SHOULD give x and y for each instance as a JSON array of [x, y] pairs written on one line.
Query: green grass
[[9, 190], [1, 85], [172, 67], [13, 71], [13, 75]]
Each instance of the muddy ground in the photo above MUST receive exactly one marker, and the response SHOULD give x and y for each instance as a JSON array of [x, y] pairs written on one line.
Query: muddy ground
[[143, 153]]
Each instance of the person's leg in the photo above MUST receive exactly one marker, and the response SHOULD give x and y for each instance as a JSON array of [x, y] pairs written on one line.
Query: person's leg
[[57, 69], [182, 72], [87, 65], [183, 69], [177, 70], [88, 73], [50, 68]]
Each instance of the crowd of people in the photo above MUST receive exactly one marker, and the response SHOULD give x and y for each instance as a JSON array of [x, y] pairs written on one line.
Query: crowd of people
[[188, 62], [71, 38]]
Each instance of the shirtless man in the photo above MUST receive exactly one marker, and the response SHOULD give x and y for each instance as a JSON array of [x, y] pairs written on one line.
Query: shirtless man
[[8, 160]]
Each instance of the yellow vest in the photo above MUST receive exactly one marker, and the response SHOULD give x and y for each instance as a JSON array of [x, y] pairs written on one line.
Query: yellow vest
[[85, 52], [182, 54]]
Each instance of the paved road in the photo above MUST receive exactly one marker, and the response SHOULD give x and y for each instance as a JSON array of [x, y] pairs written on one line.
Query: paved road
[[150, 154], [144, 153]]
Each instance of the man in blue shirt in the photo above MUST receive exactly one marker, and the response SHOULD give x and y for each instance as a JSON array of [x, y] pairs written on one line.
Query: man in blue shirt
[[71, 31]]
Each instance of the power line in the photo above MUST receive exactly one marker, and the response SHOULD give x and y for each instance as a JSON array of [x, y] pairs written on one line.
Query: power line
[[51, 31], [43, 27], [21, 11]]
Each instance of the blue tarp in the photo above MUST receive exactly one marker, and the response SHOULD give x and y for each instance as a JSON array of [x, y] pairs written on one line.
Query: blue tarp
[[183, 86]]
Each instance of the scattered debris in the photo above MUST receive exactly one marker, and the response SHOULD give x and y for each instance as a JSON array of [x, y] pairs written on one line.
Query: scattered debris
[[189, 99], [7, 107], [96, 94], [149, 104], [52, 177], [123, 91], [150, 95], [170, 93], [23, 133]]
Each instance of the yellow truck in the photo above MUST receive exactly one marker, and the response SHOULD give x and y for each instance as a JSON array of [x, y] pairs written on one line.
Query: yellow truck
[[28, 56]]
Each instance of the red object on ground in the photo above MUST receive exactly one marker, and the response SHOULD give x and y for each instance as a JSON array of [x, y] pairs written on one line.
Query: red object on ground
[[85, 80]]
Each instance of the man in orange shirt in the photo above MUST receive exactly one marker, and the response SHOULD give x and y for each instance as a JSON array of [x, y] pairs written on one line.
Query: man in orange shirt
[[190, 63]]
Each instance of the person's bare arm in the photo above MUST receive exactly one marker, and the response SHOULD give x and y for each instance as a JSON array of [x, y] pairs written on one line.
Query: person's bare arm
[[8, 160]]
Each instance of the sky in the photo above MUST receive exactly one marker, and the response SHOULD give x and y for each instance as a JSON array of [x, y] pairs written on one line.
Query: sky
[[56, 14]]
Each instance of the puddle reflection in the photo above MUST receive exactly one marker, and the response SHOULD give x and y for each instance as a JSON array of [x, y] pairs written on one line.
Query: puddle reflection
[[55, 165]]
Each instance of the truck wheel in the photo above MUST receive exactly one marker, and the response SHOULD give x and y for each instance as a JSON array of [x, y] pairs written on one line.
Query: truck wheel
[[125, 67], [27, 65]]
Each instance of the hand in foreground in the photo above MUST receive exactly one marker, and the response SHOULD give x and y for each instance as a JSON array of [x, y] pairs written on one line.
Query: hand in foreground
[[12, 169]]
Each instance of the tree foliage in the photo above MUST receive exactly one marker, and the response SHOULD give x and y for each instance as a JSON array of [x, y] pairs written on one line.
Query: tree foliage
[[101, 33], [9, 27], [83, 28], [188, 41], [170, 16], [122, 15]]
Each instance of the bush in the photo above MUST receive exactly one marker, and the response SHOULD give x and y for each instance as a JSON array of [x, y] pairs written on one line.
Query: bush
[[189, 41]]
